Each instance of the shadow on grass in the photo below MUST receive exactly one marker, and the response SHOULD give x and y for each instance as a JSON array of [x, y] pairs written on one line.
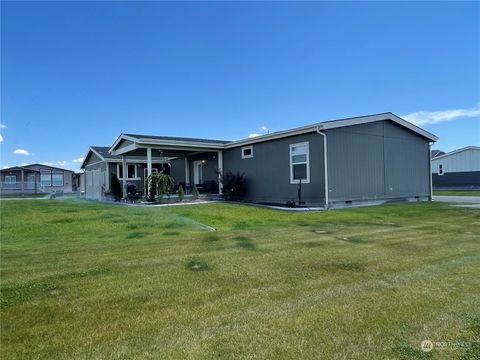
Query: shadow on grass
[[212, 239], [409, 352], [245, 242], [136, 235], [16, 293], [338, 266], [197, 265], [352, 239]]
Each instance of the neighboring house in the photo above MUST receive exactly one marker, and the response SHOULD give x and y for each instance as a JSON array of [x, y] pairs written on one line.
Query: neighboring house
[[35, 179], [457, 169], [435, 153], [356, 159], [100, 165]]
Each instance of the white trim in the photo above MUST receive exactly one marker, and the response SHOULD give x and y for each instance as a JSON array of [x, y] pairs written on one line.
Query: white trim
[[124, 150], [438, 169], [430, 166], [220, 172], [95, 163], [9, 182], [128, 164], [120, 138], [196, 175], [91, 149], [332, 124], [248, 147], [187, 173], [307, 163], [325, 162], [149, 161], [456, 152]]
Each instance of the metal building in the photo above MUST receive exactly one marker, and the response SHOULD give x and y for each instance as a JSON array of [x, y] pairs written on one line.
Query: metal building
[[457, 169]]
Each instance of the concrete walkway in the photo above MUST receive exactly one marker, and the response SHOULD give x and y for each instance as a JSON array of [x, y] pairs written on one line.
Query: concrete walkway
[[458, 199]]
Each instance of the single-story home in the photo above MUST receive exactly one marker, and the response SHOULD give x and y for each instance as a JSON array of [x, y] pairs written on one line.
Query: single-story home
[[457, 169], [35, 179], [349, 160]]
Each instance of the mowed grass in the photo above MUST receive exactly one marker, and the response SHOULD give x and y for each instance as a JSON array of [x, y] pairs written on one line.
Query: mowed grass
[[456, 192], [82, 280]]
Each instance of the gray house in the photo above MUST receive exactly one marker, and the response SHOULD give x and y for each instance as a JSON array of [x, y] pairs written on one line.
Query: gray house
[[100, 165], [35, 179], [342, 161], [458, 169]]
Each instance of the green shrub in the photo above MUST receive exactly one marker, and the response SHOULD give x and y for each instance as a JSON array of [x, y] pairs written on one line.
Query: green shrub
[[181, 193], [195, 192], [234, 185]]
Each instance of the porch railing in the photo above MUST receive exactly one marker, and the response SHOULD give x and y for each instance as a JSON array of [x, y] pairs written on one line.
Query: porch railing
[[27, 185]]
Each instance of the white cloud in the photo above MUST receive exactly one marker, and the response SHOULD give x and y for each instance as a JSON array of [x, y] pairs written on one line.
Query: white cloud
[[21, 152], [434, 117], [48, 163], [5, 167], [3, 126], [62, 163], [1, 138], [24, 164], [263, 131], [78, 160]]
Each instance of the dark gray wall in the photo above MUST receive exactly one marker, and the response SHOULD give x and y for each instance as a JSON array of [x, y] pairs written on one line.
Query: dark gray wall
[[268, 172], [464, 180], [375, 161]]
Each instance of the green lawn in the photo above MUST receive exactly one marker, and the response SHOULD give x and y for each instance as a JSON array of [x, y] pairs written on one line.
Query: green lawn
[[82, 280], [456, 192]]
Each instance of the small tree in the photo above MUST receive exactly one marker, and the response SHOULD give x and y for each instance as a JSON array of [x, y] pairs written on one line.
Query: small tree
[[115, 187], [159, 184], [195, 192], [234, 185], [181, 193]]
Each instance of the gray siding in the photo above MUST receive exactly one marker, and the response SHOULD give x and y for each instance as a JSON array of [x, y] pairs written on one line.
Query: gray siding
[[460, 180], [268, 172], [376, 161]]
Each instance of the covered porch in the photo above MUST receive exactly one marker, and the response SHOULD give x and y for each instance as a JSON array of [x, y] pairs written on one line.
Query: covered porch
[[192, 162]]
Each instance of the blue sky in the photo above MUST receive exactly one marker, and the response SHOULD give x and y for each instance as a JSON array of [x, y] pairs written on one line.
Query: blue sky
[[75, 74]]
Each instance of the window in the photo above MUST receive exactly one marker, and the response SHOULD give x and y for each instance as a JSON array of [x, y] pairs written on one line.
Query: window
[[440, 169], [299, 163], [10, 179], [131, 171], [247, 152], [57, 178], [145, 171], [45, 177]]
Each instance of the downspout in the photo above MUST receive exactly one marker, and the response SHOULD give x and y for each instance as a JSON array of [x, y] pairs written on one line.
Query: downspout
[[430, 168], [326, 164]]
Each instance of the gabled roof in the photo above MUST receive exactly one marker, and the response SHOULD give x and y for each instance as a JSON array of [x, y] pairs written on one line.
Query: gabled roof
[[457, 151], [152, 140], [101, 152], [176, 138], [28, 167], [435, 153], [333, 124]]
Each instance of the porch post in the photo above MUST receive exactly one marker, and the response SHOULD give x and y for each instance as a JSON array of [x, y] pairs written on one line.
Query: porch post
[[124, 175], [149, 161], [23, 180], [187, 173], [220, 171]]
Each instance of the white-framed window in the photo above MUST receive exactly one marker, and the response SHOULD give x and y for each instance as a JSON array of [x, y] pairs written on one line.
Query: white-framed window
[[299, 163], [57, 178], [10, 179], [440, 169], [247, 152], [45, 177], [131, 172]]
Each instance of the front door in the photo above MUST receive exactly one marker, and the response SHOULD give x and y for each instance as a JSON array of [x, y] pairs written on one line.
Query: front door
[[197, 172]]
